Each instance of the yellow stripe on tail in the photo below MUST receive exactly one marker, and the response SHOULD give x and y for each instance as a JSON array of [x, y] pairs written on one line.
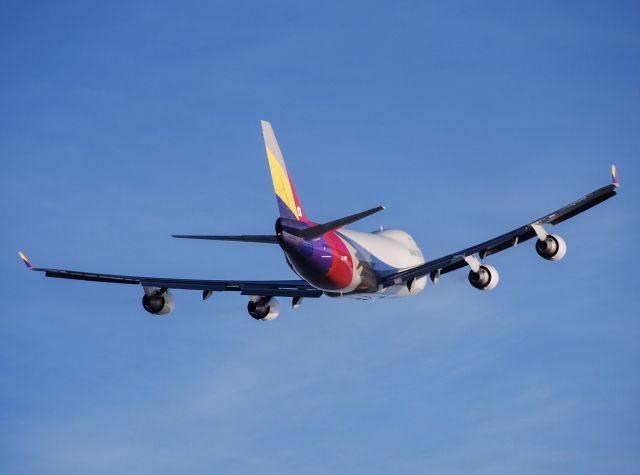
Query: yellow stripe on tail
[[288, 202]]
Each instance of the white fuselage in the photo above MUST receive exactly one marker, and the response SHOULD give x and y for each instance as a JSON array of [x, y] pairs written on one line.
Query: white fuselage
[[378, 254]]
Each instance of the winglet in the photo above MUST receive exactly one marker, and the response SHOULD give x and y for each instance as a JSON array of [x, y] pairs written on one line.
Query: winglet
[[614, 174], [26, 260]]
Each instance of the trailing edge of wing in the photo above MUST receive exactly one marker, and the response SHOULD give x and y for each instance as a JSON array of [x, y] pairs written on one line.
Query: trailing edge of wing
[[456, 260], [261, 238]]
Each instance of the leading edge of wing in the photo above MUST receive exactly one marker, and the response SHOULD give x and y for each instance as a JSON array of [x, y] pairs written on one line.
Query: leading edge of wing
[[266, 288], [507, 240]]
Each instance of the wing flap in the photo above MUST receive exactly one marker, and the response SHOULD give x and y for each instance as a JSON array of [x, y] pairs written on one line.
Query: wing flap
[[280, 292], [74, 275]]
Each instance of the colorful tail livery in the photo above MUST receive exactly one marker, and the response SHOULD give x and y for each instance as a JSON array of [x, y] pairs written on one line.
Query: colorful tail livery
[[288, 201], [25, 259]]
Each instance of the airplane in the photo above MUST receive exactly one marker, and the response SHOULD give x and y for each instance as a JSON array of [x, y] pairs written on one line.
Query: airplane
[[338, 262]]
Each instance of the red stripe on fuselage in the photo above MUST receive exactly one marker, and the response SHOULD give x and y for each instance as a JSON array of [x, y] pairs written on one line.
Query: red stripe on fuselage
[[340, 274]]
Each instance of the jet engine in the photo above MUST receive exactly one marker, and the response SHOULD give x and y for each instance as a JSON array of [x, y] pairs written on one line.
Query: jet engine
[[158, 301], [553, 248], [264, 308], [486, 278]]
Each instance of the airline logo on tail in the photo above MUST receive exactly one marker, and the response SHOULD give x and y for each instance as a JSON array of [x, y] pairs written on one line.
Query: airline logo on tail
[[288, 201]]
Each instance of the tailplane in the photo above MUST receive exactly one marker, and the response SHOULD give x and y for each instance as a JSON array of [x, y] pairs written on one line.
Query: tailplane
[[319, 230], [263, 238], [288, 202]]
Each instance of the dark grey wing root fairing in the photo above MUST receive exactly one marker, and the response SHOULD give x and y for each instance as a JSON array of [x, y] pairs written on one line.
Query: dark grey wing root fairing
[[456, 260], [270, 288]]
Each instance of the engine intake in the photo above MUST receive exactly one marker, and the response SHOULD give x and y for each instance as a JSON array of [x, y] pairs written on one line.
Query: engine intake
[[158, 302], [486, 278], [553, 248], [264, 308]]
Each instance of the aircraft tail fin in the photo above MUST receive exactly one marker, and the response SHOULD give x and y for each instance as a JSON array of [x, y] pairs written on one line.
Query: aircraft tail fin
[[288, 202]]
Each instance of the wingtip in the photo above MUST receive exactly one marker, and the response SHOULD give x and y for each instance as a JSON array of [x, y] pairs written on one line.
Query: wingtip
[[26, 260], [614, 176]]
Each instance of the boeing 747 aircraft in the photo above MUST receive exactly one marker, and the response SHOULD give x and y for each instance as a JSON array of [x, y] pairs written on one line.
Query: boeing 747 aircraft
[[334, 261]]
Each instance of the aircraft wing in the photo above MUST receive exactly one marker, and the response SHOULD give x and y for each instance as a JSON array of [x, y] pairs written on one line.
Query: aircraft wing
[[456, 260], [267, 288]]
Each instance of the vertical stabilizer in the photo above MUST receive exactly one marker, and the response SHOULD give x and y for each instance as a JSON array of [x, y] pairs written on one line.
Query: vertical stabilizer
[[288, 202]]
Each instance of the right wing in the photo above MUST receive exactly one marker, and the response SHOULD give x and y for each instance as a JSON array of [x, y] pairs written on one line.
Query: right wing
[[456, 260]]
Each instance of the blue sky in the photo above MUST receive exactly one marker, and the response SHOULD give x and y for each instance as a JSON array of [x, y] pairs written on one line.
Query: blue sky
[[126, 122]]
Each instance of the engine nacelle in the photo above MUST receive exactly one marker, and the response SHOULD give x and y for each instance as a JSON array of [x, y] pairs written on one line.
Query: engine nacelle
[[158, 302], [486, 278], [553, 248], [264, 308]]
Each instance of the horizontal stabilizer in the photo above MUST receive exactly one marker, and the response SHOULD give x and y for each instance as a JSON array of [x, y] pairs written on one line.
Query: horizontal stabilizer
[[263, 238], [318, 230]]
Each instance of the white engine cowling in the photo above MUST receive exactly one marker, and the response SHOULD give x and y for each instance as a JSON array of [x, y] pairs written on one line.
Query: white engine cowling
[[486, 278], [553, 248], [264, 308], [157, 302]]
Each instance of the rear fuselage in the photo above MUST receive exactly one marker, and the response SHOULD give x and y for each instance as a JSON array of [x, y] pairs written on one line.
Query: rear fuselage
[[350, 263]]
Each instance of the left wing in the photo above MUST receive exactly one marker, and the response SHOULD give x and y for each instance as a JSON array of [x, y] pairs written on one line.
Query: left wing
[[266, 288], [459, 259]]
